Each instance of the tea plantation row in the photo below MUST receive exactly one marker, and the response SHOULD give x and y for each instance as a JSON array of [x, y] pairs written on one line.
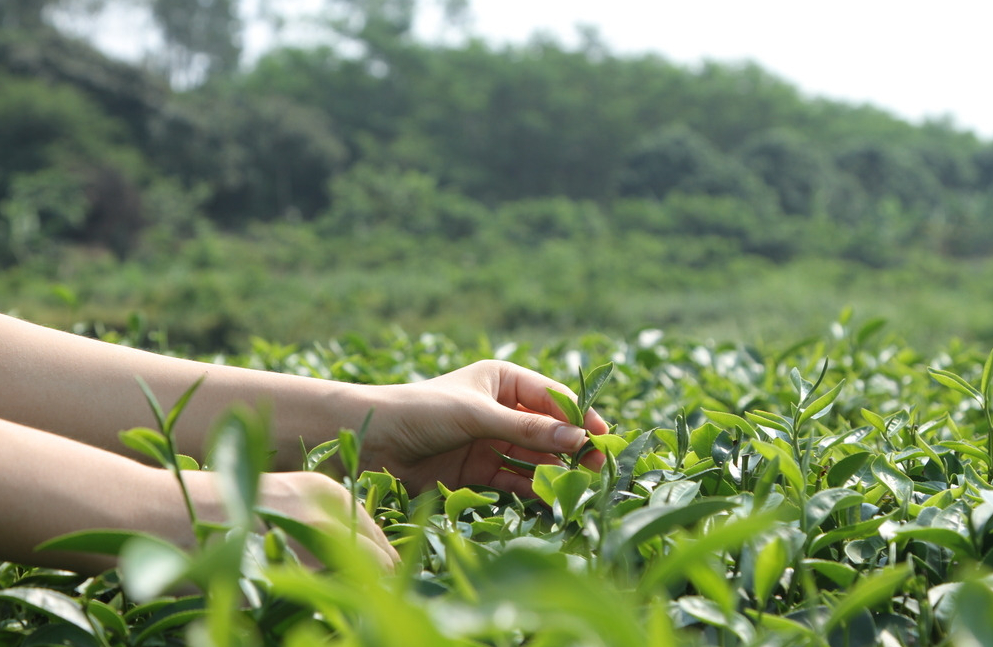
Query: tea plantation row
[[833, 492]]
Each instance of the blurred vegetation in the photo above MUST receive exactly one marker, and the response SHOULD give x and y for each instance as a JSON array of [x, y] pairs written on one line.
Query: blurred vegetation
[[370, 179]]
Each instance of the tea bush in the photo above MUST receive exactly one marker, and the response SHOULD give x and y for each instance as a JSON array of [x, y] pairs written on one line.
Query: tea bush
[[836, 491]]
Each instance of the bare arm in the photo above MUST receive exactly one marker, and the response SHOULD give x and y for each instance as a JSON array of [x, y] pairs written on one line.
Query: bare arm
[[442, 429], [87, 390], [50, 486]]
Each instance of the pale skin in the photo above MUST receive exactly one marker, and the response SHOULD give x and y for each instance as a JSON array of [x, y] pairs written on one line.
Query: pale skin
[[64, 398]]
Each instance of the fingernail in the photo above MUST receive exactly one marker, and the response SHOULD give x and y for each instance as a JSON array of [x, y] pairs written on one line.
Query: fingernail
[[568, 438]]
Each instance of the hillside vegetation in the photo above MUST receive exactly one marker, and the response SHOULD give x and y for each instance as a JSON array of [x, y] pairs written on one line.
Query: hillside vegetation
[[529, 190]]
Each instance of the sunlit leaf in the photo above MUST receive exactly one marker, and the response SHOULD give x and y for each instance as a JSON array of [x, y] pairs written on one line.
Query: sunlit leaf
[[568, 407], [464, 498], [770, 563], [955, 382]]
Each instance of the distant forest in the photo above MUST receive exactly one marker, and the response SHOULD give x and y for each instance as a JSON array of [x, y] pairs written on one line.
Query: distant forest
[[374, 139]]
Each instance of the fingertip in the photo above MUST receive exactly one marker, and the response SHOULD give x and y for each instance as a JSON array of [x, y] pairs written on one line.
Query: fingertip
[[595, 424], [594, 460]]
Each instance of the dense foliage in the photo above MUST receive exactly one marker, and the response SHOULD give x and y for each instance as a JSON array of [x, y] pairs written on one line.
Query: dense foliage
[[835, 492], [530, 190]]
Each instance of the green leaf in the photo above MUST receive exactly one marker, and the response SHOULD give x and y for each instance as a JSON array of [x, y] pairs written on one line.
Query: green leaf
[[150, 566], [320, 453], [802, 386], [239, 454], [787, 466], [185, 462], [569, 489], [869, 329], [177, 409], [149, 442], [874, 419], [608, 443], [823, 503], [898, 483], [569, 408], [674, 493], [710, 613], [973, 621], [682, 437], [867, 594], [462, 499], [770, 563], [102, 542], [846, 468], [865, 528], [161, 623], [515, 462], [821, 405], [771, 420], [107, 617], [153, 403], [348, 447], [643, 523], [841, 574], [730, 421], [53, 604], [945, 537], [544, 475], [317, 542], [592, 384], [702, 439], [955, 382], [966, 448], [984, 383]]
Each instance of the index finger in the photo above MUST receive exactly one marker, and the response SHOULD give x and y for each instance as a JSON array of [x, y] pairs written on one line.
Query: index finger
[[523, 388]]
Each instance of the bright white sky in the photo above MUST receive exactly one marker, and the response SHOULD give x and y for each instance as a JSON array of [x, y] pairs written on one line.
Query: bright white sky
[[915, 58]]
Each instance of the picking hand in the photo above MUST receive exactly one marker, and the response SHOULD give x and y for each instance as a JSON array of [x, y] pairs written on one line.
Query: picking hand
[[447, 428]]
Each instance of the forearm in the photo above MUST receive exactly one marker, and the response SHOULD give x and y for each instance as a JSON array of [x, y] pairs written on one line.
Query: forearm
[[50, 486], [87, 390]]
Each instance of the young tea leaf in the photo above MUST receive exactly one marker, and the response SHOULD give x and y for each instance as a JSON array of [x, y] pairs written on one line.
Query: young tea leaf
[[568, 407], [821, 405], [464, 498], [569, 489], [955, 382], [149, 442], [770, 563], [592, 384]]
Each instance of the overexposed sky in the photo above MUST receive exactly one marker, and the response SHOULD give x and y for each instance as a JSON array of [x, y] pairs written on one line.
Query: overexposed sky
[[914, 58], [917, 59]]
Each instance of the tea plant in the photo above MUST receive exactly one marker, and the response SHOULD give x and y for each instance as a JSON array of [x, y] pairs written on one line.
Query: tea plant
[[836, 492]]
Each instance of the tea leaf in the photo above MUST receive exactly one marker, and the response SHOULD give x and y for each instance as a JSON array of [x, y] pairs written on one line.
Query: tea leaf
[[787, 466], [592, 384], [462, 499], [53, 604], [870, 592], [320, 453], [569, 489], [770, 563], [149, 442], [955, 382], [730, 421], [821, 405], [647, 522], [822, 504], [899, 485], [568, 407]]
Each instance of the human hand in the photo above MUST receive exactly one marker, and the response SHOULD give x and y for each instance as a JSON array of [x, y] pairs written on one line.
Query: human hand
[[320, 501], [445, 429]]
